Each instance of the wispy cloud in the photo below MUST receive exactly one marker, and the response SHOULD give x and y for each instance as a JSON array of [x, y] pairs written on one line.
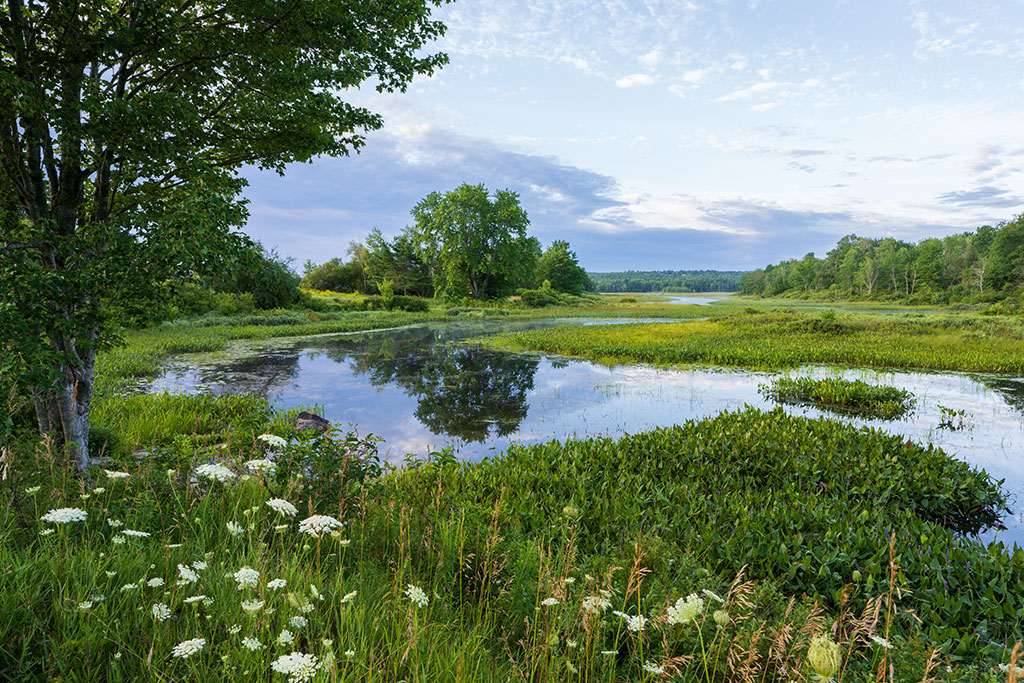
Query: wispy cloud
[[635, 79]]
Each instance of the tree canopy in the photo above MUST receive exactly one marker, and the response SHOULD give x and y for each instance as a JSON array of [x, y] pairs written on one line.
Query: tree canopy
[[123, 126]]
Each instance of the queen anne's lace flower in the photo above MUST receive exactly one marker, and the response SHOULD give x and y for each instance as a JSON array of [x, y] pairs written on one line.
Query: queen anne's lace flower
[[282, 507], [252, 605], [65, 515], [137, 534], [276, 584], [549, 602], [155, 582], [595, 604], [261, 465], [273, 440], [317, 525], [186, 575], [634, 624], [161, 612], [685, 611], [252, 644], [234, 528], [416, 595], [297, 666], [116, 475], [285, 638], [215, 472], [297, 622], [186, 649], [246, 576]]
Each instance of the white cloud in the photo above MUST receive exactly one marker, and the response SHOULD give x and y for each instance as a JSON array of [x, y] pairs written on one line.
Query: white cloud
[[765, 106], [635, 79], [678, 91], [757, 88], [575, 62], [694, 75], [652, 58], [738, 65]]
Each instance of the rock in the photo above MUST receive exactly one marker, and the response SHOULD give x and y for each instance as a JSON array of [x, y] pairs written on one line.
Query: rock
[[305, 421]]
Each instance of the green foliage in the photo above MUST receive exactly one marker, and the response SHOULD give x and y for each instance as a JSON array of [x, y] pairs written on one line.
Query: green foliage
[[335, 276], [387, 293], [805, 502], [838, 395], [785, 339], [976, 267], [264, 276], [668, 281], [559, 267], [476, 243]]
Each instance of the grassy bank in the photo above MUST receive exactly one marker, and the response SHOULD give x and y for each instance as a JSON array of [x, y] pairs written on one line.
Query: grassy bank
[[846, 397], [523, 561], [779, 339]]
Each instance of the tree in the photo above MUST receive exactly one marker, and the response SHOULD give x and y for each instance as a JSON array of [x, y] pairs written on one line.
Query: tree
[[472, 240], [559, 266], [122, 127]]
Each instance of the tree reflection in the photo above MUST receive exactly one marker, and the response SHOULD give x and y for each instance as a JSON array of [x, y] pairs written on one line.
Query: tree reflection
[[461, 391]]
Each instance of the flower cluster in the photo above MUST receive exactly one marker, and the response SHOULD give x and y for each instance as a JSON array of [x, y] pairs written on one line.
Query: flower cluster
[[188, 648], [272, 440], [297, 666], [215, 472], [246, 576], [686, 611], [65, 515], [282, 507], [261, 465], [416, 595], [317, 525]]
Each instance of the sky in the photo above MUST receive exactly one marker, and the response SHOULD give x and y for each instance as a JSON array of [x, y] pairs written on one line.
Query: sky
[[688, 134]]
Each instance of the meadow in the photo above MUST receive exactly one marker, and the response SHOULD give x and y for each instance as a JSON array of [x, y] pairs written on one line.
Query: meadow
[[214, 542]]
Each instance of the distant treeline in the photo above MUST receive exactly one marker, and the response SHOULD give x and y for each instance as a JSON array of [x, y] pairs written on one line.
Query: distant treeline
[[986, 265], [668, 281]]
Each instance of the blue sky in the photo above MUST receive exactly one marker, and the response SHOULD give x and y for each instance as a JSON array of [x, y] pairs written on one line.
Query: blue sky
[[686, 134]]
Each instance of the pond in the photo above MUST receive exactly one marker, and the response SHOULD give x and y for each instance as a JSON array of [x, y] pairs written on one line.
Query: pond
[[421, 389]]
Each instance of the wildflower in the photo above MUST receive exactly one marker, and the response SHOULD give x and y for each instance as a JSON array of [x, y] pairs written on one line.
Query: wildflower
[[823, 656], [172, 546], [196, 598], [110, 575], [609, 653], [685, 611], [416, 594], [570, 511], [215, 472], [199, 565], [261, 465], [84, 605], [721, 618], [345, 542], [116, 475], [569, 580], [571, 668], [246, 576], [318, 524], [252, 644], [129, 587], [571, 644], [282, 507], [882, 641], [171, 473], [186, 575], [297, 666], [652, 668], [272, 440], [161, 612], [595, 604], [713, 595], [634, 624], [234, 629], [32, 490], [234, 529], [98, 490], [155, 582], [186, 649], [252, 605], [315, 592], [136, 534], [276, 583], [85, 496], [286, 638], [118, 540], [283, 527], [207, 600], [297, 622], [350, 653], [348, 597], [549, 602], [47, 532], [65, 516]]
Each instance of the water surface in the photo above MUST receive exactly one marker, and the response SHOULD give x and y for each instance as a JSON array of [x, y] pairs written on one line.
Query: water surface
[[421, 389]]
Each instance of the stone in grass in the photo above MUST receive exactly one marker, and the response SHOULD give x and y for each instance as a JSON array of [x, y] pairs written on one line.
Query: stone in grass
[[305, 421]]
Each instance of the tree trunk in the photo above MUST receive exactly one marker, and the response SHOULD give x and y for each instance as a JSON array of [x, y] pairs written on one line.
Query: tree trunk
[[63, 410]]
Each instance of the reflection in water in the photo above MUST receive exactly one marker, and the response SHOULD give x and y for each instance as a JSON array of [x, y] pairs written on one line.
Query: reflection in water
[[420, 389], [461, 391]]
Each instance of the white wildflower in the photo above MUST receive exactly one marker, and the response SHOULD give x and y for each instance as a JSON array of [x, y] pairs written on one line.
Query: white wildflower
[[32, 490], [297, 666], [261, 465], [634, 624], [348, 597], [84, 605], [186, 649], [297, 622], [129, 587], [215, 472], [713, 595], [882, 641], [416, 594], [246, 576], [155, 582], [47, 532], [65, 516], [652, 668], [685, 611], [186, 575], [98, 490], [345, 542], [252, 605], [276, 584], [110, 575], [595, 604], [199, 565], [118, 540], [350, 653], [273, 440], [196, 598], [234, 629], [285, 638], [549, 602], [161, 612], [318, 524], [116, 475], [115, 523], [234, 528], [315, 592], [282, 507], [252, 644], [136, 534]]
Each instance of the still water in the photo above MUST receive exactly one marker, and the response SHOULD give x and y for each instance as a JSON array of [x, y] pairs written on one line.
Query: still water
[[421, 388]]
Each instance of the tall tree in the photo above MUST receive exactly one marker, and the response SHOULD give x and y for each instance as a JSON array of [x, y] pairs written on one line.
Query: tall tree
[[559, 266], [122, 126], [473, 240]]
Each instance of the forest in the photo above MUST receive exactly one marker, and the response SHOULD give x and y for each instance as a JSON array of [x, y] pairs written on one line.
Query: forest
[[983, 266], [668, 281]]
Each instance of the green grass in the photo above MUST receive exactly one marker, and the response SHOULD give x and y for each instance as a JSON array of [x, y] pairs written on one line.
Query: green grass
[[786, 339], [851, 397], [490, 543]]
